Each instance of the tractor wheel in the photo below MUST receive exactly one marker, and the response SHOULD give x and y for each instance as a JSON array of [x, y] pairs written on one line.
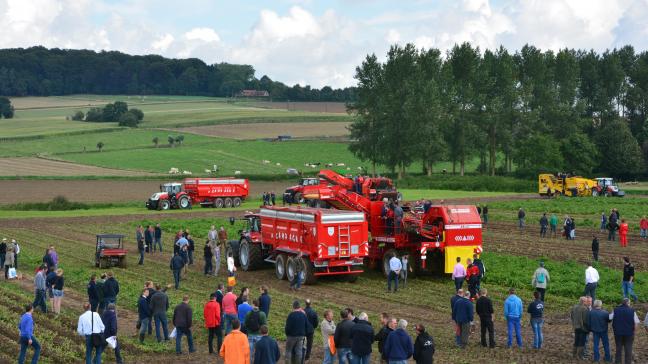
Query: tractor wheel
[[184, 202], [298, 198], [218, 203], [595, 193], [386, 257], [232, 251], [165, 205], [309, 271], [290, 269], [236, 202], [280, 266], [250, 255], [228, 202]]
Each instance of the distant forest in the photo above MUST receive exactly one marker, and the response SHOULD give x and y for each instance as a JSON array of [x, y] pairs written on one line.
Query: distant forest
[[38, 71]]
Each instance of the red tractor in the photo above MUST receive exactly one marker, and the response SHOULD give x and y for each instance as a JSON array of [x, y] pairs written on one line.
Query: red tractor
[[433, 238], [329, 242], [295, 194], [207, 192], [110, 251]]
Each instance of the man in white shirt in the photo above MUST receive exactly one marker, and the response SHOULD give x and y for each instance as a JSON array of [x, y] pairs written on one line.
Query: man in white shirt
[[591, 281], [395, 267], [90, 323]]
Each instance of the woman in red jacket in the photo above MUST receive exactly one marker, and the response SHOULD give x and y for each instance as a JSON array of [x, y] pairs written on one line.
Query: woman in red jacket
[[623, 233]]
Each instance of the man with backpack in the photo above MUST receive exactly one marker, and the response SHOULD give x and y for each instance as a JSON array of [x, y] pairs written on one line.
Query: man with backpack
[[540, 280], [253, 322]]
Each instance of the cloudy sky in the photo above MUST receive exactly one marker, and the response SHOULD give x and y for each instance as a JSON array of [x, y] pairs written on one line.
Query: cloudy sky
[[317, 42]]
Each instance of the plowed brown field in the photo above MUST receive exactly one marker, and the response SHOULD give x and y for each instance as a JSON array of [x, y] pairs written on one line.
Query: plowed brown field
[[29, 166]]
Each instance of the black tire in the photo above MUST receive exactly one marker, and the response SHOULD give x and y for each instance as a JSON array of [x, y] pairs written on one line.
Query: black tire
[[309, 271], [280, 266], [228, 202], [232, 249], [595, 193], [250, 255], [218, 203], [352, 278], [290, 269], [236, 202], [386, 257], [184, 202], [165, 205]]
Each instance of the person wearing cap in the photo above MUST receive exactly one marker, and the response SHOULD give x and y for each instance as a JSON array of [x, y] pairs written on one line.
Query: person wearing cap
[[624, 320], [540, 280], [295, 329]]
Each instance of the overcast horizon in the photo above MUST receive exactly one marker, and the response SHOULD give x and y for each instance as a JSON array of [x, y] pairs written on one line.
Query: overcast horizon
[[316, 43]]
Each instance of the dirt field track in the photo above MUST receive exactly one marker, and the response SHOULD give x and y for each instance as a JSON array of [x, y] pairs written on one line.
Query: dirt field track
[[28, 166], [99, 191], [332, 107], [271, 130], [368, 296]]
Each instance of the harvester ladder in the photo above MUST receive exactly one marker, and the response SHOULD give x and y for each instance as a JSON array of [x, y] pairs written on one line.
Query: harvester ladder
[[344, 241]]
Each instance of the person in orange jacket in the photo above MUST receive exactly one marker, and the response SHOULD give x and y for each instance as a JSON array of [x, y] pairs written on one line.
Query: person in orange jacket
[[623, 233], [236, 348], [212, 315]]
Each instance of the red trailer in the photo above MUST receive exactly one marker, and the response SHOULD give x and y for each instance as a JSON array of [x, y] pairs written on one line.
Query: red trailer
[[331, 242], [207, 192]]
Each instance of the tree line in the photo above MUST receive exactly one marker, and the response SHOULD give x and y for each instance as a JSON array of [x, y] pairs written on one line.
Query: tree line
[[111, 112], [519, 113], [38, 71]]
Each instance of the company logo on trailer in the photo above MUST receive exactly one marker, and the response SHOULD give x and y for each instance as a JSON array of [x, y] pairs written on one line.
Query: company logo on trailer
[[464, 238], [331, 230]]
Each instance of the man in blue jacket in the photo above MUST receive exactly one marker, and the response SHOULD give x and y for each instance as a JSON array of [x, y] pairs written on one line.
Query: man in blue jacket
[[266, 350], [398, 346], [454, 300], [264, 301], [109, 318], [513, 313], [624, 320], [26, 327], [598, 324], [144, 312], [463, 316]]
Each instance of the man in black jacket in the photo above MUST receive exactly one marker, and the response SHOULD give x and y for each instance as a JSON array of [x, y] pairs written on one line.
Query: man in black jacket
[[110, 289], [453, 300], [159, 307], [388, 325], [176, 265], [313, 320], [144, 314], [148, 238], [485, 313], [295, 329], [93, 294], [423, 346], [182, 322], [362, 336], [158, 238], [342, 337]]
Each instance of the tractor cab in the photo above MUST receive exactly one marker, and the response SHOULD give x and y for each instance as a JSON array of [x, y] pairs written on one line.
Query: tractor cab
[[309, 181], [608, 187], [110, 251], [171, 188], [295, 194]]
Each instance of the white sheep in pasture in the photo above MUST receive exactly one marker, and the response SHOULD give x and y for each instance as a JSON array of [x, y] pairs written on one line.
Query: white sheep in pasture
[[237, 173], [340, 164], [187, 173], [174, 170]]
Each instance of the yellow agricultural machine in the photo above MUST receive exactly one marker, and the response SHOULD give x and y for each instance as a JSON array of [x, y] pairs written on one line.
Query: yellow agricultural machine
[[566, 185]]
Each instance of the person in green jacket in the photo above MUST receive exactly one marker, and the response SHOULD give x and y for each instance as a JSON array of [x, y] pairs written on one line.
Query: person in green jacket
[[553, 224]]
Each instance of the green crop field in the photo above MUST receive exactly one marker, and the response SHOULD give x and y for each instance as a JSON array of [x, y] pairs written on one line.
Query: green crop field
[[45, 116]]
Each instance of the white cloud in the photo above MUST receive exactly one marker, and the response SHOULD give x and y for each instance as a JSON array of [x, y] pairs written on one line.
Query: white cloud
[[393, 36], [163, 42], [299, 45], [202, 34]]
